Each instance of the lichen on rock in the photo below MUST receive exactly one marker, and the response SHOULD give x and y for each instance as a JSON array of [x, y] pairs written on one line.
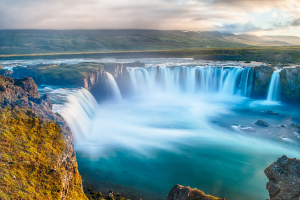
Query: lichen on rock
[[284, 179], [37, 157]]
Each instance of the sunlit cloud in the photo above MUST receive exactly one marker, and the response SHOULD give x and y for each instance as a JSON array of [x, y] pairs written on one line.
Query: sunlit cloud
[[238, 16]]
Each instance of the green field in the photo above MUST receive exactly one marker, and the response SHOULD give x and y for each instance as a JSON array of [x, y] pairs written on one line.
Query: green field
[[58, 44], [70, 41]]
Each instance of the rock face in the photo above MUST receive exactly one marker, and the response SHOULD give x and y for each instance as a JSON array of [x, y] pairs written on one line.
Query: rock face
[[179, 192], [284, 179], [290, 84], [262, 77], [94, 77], [19, 99]]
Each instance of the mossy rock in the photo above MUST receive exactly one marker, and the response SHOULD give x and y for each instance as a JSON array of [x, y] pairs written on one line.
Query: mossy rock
[[262, 123]]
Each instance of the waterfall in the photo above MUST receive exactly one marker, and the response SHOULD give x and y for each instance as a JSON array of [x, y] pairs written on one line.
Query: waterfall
[[274, 87], [78, 111], [192, 80], [113, 88]]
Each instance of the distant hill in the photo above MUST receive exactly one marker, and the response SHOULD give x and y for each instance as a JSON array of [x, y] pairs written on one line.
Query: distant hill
[[64, 41]]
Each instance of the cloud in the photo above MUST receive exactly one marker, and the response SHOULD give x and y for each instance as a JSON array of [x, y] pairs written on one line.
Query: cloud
[[234, 15], [296, 22], [241, 28]]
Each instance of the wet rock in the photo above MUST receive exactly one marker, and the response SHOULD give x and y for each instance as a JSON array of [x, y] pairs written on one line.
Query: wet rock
[[283, 126], [179, 192], [284, 179], [270, 112], [261, 123], [261, 79], [2, 87], [289, 83], [110, 196], [296, 125]]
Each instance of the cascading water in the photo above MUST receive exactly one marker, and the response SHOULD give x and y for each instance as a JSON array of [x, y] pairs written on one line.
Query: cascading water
[[113, 88], [274, 87], [78, 111], [155, 137], [225, 80]]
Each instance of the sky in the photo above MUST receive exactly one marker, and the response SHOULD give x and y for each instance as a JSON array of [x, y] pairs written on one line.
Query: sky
[[259, 17]]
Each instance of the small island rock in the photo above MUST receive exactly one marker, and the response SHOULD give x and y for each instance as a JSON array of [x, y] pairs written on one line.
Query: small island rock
[[262, 123]]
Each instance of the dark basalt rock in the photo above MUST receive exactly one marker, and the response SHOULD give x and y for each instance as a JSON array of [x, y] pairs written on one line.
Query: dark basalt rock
[[261, 123], [284, 179], [296, 125], [179, 192], [261, 81], [270, 112]]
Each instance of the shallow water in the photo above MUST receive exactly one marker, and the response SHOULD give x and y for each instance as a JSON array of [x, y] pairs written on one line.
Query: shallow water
[[145, 144]]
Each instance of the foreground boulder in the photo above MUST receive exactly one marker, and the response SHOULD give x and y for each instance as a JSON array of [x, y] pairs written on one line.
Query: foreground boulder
[[37, 157], [284, 179], [179, 192]]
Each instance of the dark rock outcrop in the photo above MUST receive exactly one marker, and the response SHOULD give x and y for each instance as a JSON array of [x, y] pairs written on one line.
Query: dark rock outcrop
[[261, 123], [22, 96], [91, 76], [135, 64], [284, 179], [262, 77], [270, 112], [290, 84], [179, 192]]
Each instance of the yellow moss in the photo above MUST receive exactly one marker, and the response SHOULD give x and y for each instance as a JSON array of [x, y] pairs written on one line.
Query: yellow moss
[[29, 150]]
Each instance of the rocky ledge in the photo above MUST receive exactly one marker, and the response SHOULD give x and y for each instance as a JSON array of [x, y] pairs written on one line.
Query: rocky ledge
[[89, 75], [179, 192], [284, 179], [37, 157]]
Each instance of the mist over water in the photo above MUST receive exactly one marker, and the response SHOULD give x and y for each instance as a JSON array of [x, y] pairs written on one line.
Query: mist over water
[[192, 126]]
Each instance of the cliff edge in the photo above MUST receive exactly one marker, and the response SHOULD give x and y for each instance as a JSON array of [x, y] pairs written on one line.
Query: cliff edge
[[37, 157]]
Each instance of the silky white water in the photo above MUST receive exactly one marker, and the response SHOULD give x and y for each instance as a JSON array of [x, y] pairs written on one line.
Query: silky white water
[[192, 80], [192, 126], [274, 87]]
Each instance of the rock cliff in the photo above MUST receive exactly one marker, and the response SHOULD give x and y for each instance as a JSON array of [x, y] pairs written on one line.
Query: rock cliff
[[261, 81], [290, 84], [37, 157], [91, 76], [179, 192], [284, 179]]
